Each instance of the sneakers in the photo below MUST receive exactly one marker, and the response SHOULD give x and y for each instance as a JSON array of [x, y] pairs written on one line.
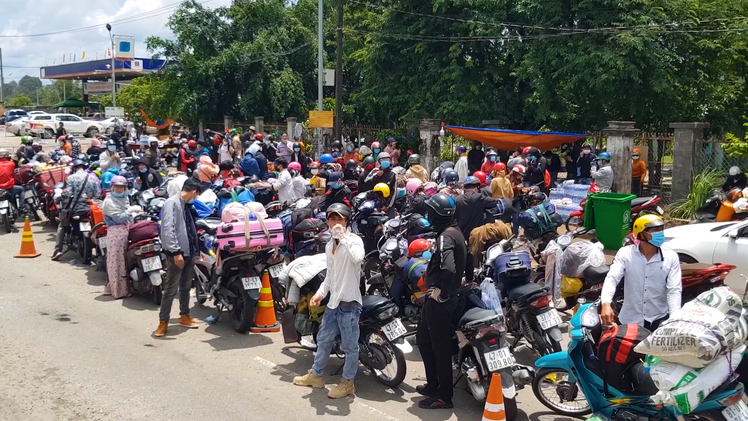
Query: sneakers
[[56, 255], [161, 329], [435, 402], [310, 380], [343, 389], [426, 390], [186, 321]]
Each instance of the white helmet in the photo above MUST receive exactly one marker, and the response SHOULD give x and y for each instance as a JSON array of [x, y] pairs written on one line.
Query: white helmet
[[734, 170], [152, 139], [253, 149]]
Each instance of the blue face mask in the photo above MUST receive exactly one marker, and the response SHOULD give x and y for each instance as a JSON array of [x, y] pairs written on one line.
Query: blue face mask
[[376, 150], [143, 170], [658, 239], [190, 201], [385, 164], [426, 255], [532, 158], [493, 159], [336, 186], [119, 195], [349, 149], [112, 148], [296, 149]]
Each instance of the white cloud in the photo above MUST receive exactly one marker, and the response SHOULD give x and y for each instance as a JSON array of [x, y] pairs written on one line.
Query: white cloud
[[23, 56]]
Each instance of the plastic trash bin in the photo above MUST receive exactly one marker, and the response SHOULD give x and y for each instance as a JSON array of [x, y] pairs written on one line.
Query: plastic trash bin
[[612, 213]]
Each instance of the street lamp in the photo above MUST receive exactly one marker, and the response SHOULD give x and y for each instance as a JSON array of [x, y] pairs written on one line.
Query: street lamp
[[114, 84]]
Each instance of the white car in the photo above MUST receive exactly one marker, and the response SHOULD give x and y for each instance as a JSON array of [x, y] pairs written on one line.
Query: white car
[[715, 242], [17, 126], [36, 112], [46, 125], [109, 123]]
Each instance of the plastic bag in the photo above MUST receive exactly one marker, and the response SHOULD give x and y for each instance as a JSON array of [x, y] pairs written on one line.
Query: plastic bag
[[552, 256], [578, 256], [490, 295], [741, 205], [570, 286], [207, 197]]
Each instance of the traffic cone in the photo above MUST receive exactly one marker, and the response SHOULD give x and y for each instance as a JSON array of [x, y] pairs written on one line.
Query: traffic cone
[[494, 409], [27, 242], [265, 317]]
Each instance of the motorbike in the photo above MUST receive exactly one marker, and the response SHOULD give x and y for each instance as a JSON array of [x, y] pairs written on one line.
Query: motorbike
[[570, 383], [639, 206], [144, 263], [8, 211], [28, 201], [718, 207], [530, 313]]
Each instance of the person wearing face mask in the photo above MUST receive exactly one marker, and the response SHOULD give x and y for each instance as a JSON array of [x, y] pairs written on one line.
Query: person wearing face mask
[[415, 170], [96, 149], [187, 161], [500, 185], [366, 183], [383, 175], [638, 171], [393, 151], [604, 176], [298, 181], [109, 158], [461, 166], [117, 215], [585, 164], [735, 180], [179, 241], [337, 191], [536, 166], [82, 186], [345, 256], [410, 272], [267, 147], [283, 185], [148, 178], [350, 153], [152, 154], [652, 284], [65, 146], [475, 157], [376, 149], [491, 159], [226, 151]]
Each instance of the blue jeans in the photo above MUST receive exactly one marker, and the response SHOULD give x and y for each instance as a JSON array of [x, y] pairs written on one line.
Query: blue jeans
[[341, 321]]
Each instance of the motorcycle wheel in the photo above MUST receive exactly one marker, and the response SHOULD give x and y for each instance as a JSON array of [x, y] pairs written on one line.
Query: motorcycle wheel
[[33, 210], [6, 223], [510, 408], [200, 296], [546, 376], [84, 248], [385, 354], [573, 223], [241, 315], [157, 294], [371, 268]]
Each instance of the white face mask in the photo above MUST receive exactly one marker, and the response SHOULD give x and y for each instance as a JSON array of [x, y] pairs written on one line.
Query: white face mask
[[586, 151], [314, 171]]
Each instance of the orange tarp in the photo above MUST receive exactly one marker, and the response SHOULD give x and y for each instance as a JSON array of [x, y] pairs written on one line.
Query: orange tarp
[[503, 139]]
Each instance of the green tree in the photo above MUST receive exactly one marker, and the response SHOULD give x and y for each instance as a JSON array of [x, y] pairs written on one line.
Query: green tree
[[20, 101], [147, 93], [28, 86]]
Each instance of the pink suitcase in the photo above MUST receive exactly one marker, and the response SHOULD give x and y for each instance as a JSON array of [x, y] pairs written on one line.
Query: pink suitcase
[[249, 235]]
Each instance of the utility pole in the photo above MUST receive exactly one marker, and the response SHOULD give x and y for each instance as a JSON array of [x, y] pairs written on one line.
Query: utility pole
[[338, 131], [2, 78], [320, 53], [114, 83]]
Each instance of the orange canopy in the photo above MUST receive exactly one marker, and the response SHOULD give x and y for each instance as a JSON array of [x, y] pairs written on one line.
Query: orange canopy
[[506, 140], [157, 124]]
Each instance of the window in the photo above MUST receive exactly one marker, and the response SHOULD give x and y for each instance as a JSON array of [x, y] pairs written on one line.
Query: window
[[42, 118]]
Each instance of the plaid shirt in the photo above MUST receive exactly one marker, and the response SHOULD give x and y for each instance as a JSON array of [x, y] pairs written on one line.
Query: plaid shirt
[[92, 190]]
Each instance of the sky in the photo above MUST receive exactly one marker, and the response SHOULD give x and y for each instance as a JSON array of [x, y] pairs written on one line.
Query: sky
[[24, 55]]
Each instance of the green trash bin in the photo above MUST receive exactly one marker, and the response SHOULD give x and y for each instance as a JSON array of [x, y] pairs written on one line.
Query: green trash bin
[[589, 214], [612, 213]]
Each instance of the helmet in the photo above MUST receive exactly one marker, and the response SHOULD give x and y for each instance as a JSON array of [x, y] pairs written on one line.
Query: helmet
[[391, 140], [375, 145], [604, 156], [418, 246], [384, 155], [447, 164], [417, 225], [96, 143], [499, 166], [414, 159], [647, 221], [520, 169], [472, 180], [481, 176], [526, 150], [382, 188], [491, 152], [79, 163], [36, 145], [4, 153], [63, 137], [341, 209], [461, 149], [451, 177], [314, 164], [350, 165], [294, 166], [118, 180], [192, 144], [325, 159], [253, 149], [504, 209], [734, 170], [442, 204], [413, 185], [430, 188], [110, 142], [336, 145], [152, 139], [259, 136], [369, 160]]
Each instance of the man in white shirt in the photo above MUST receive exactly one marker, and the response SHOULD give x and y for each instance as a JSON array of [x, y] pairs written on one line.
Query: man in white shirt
[[652, 286], [345, 255], [299, 182], [283, 185]]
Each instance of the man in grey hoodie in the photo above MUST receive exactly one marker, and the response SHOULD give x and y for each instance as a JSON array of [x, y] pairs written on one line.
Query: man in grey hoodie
[[179, 242], [604, 176]]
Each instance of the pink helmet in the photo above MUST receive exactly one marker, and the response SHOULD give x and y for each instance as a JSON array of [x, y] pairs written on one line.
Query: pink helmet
[[519, 169], [118, 180], [294, 166], [430, 188], [96, 143], [413, 185]]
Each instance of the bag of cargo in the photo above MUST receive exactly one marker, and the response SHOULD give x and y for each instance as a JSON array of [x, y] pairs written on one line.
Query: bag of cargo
[[143, 230], [539, 219], [305, 232], [570, 286], [616, 354], [580, 255], [252, 232], [513, 265]]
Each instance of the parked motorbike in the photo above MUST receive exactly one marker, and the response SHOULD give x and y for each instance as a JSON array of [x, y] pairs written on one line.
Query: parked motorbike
[[639, 206], [570, 383], [718, 207], [144, 261], [28, 202], [8, 211], [528, 306], [77, 238]]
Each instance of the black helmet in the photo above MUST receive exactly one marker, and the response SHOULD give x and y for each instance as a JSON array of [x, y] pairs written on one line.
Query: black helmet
[[451, 176], [110, 142], [341, 209], [337, 145], [414, 159], [350, 165], [504, 210], [417, 224], [79, 163], [442, 205], [369, 160]]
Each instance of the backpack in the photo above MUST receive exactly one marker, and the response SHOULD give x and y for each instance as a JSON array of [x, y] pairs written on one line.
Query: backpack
[[539, 219], [304, 231], [143, 230], [616, 355]]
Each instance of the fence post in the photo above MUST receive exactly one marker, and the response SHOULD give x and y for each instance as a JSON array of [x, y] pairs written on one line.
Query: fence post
[[430, 145], [259, 124], [227, 122], [290, 125], [620, 135], [685, 136], [201, 129]]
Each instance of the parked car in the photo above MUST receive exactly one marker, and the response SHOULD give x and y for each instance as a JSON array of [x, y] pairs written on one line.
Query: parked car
[[715, 242], [36, 112], [11, 115], [109, 123], [17, 126], [45, 125]]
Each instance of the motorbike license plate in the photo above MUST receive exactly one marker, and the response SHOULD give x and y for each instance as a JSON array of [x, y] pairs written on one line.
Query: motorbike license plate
[[498, 359], [736, 412], [85, 226], [151, 263], [276, 270], [4, 206], [660, 210], [252, 282], [394, 329], [28, 194], [549, 319], [102, 243]]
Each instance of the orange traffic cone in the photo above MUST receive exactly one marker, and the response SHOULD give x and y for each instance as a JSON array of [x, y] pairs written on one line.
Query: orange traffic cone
[[494, 409], [27, 242], [265, 317]]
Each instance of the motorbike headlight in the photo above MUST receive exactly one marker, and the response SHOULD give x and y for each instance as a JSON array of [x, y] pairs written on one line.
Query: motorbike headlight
[[387, 313], [590, 318]]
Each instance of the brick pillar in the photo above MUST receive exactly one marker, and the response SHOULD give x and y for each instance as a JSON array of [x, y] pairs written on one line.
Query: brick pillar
[[290, 125], [685, 137], [430, 143], [227, 122], [259, 124], [620, 135]]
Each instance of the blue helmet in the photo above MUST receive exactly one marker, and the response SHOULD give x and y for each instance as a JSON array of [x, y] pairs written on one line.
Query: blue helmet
[[604, 155], [461, 149], [451, 176], [325, 159], [472, 180]]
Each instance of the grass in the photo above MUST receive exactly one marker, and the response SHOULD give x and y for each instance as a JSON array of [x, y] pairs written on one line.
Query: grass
[[701, 189]]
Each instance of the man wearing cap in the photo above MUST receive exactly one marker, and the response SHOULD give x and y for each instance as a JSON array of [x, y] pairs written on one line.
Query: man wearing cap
[[337, 191], [283, 185], [148, 178], [462, 164]]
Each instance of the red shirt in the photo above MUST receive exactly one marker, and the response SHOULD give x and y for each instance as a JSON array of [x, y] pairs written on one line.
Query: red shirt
[[6, 174], [487, 167]]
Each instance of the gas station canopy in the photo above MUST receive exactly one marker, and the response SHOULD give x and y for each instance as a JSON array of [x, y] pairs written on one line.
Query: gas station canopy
[[102, 70]]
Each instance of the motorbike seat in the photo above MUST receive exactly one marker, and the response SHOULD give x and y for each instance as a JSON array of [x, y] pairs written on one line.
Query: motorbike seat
[[595, 274], [209, 225], [141, 243], [640, 201], [526, 292], [475, 317], [371, 302], [642, 381]]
